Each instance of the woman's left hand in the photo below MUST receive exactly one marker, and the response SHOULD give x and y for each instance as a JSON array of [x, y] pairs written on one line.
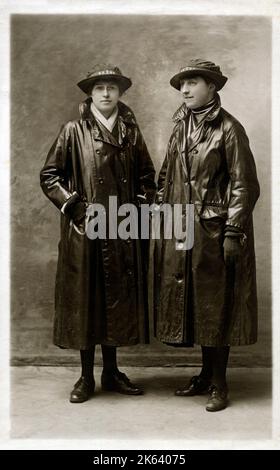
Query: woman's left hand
[[232, 249]]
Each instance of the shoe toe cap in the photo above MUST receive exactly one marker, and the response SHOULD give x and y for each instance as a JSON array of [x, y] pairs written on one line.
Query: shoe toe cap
[[216, 405]]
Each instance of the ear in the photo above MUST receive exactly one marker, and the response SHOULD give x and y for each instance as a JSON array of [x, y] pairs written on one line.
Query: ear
[[212, 87]]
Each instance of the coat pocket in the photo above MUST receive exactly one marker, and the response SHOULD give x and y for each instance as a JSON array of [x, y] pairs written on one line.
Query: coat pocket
[[212, 220], [212, 211]]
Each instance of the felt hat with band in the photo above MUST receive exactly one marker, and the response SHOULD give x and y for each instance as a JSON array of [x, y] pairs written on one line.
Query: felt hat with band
[[101, 72], [203, 68]]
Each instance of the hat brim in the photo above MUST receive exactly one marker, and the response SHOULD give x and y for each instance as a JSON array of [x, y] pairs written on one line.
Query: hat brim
[[87, 84], [219, 80]]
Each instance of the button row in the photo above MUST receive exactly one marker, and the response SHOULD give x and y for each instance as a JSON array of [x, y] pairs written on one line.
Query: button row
[[101, 180]]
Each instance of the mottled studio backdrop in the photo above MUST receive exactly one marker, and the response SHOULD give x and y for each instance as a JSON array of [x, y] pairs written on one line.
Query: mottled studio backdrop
[[49, 54]]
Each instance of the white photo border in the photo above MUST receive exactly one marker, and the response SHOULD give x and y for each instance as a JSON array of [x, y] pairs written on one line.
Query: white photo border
[[266, 8]]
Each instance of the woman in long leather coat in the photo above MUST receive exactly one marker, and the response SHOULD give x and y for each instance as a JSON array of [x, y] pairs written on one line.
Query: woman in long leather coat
[[207, 295], [100, 295]]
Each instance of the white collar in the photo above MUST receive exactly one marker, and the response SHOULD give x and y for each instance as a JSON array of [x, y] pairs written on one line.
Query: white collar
[[108, 123]]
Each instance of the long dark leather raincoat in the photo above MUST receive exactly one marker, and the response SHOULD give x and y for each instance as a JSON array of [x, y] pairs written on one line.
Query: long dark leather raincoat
[[100, 284], [197, 298]]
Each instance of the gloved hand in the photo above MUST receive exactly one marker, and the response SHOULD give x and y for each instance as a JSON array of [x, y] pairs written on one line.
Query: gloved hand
[[77, 212], [141, 199], [150, 197], [149, 191], [147, 198], [232, 249]]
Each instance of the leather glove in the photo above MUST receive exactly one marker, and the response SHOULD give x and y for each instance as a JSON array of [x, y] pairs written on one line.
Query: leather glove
[[150, 197], [77, 212], [232, 249], [149, 191], [147, 198]]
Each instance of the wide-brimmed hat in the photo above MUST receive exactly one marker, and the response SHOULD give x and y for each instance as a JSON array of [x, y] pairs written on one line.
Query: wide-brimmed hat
[[104, 71], [202, 68]]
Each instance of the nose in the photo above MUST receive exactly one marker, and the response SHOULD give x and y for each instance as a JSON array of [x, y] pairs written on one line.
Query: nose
[[106, 91], [185, 88]]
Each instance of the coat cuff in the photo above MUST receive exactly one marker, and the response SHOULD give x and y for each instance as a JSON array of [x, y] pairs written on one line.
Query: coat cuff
[[236, 232], [234, 226], [71, 200], [231, 230]]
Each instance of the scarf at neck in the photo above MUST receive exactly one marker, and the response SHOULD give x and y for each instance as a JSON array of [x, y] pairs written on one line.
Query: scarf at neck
[[108, 123], [201, 112], [196, 119]]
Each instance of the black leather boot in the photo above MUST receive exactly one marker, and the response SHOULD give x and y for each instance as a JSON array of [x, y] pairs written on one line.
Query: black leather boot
[[116, 381], [196, 386], [218, 399], [84, 388], [82, 391]]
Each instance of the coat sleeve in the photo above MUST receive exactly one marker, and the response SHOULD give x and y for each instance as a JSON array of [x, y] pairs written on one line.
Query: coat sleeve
[[53, 176], [146, 170], [244, 187]]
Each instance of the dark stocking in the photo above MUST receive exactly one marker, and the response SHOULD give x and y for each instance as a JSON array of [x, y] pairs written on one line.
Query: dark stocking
[[109, 354], [87, 361], [207, 362], [220, 360]]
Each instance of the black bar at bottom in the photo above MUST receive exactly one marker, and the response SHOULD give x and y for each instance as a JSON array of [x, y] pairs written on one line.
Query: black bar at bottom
[[136, 458]]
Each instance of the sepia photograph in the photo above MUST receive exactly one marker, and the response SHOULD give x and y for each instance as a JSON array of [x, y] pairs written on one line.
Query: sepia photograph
[[138, 280]]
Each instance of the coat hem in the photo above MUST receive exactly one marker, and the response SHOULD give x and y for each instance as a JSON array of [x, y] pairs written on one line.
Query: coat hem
[[170, 342], [89, 345]]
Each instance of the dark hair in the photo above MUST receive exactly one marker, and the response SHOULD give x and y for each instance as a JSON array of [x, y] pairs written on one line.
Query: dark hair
[[208, 80], [205, 78], [106, 79]]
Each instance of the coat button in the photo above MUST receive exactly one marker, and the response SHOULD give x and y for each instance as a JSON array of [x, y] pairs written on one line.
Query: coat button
[[101, 181], [124, 180], [129, 272], [195, 151], [179, 277], [97, 151], [170, 182], [180, 245]]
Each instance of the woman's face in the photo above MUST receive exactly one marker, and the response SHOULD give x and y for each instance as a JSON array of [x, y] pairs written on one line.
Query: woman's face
[[196, 91], [105, 96]]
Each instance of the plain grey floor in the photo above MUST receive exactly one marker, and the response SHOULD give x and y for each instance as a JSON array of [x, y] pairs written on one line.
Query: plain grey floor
[[40, 408]]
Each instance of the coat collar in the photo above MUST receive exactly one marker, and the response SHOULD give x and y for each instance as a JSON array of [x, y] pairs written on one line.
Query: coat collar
[[125, 113], [126, 122], [183, 112]]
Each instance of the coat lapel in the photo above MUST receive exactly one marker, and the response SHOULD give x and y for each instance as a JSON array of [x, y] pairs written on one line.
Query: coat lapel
[[182, 147], [126, 125], [183, 115]]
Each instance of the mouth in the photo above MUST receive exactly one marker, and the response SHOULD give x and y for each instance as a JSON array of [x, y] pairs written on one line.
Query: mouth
[[188, 97], [106, 101]]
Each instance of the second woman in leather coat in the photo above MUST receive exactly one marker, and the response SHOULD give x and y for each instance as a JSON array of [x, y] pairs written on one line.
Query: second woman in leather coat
[[204, 295]]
